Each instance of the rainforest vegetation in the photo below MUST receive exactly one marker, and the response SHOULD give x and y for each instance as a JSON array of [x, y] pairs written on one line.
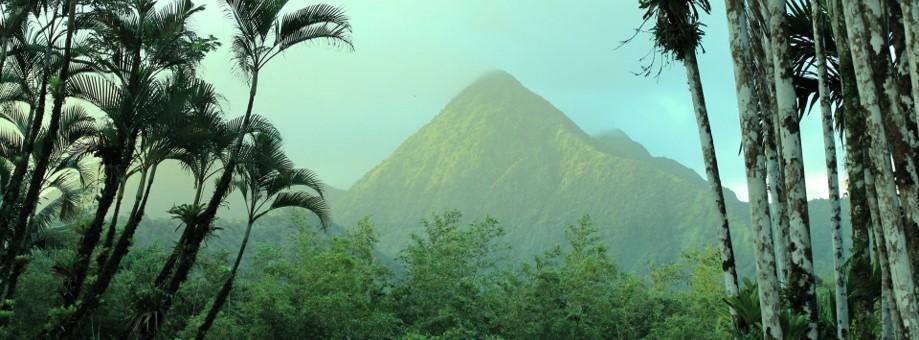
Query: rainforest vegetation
[[97, 95]]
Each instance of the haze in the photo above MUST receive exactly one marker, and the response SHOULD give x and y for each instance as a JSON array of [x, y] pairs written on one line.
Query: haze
[[350, 110]]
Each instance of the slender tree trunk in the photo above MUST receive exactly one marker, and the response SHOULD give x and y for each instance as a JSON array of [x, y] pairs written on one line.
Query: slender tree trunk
[[829, 144], [802, 288], [169, 266], [113, 225], [714, 178], [779, 217], [224, 292], [73, 284], [4, 44], [755, 169], [15, 182], [856, 146], [199, 188], [911, 32], [888, 201], [90, 299], [890, 317], [11, 197], [110, 234], [773, 143]]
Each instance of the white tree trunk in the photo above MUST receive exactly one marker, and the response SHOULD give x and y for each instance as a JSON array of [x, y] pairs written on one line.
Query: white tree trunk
[[714, 178], [910, 10], [889, 314], [829, 144], [888, 202], [776, 184], [802, 285], [775, 180], [755, 170], [762, 52]]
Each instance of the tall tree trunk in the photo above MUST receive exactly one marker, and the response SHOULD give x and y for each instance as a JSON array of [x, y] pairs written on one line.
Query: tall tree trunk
[[911, 32], [888, 201], [765, 90], [14, 186], [829, 144], [11, 199], [224, 292], [90, 299], [755, 169], [113, 225], [856, 146], [110, 234], [802, 288], [714, 178], [73, 283]]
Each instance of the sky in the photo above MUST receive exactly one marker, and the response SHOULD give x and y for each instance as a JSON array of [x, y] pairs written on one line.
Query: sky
[[342, 112]]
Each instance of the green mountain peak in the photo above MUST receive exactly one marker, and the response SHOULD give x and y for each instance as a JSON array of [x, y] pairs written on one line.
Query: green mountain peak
[[498, 149]]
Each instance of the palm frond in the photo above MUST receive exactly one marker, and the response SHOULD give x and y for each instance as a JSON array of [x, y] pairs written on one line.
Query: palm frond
[[299, 199]]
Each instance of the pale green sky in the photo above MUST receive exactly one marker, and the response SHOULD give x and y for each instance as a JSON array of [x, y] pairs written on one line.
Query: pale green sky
[[344, 112]]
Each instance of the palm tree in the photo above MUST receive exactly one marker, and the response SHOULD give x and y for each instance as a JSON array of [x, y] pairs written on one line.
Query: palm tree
[[43, 154], [168, 102], [264, 178], [132, 45], [871, 95], [262, 33], [802, 287], [678, 34], [755, 169], [203, 162], [28, 45], [775, 165]]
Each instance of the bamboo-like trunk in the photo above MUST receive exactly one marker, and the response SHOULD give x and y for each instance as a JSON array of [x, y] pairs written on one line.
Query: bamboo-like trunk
[[224, 292], [90, 299], [774, 164], [888, 201], [755, 170], [829, 144], [891, 324], [728, 266], [113, 225], [14, 185], [911, 33], [801, 283], [110, 234], [855, 150], [169, 267]]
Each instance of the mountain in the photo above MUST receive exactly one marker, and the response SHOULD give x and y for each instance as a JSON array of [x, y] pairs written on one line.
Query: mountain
[[500, 150]]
